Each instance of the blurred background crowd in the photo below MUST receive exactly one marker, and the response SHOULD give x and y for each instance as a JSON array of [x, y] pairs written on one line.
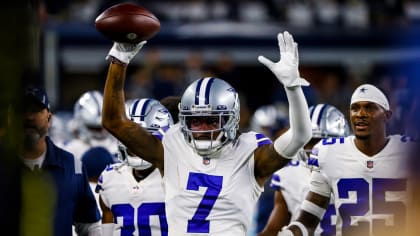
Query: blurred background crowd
[[343, 43]]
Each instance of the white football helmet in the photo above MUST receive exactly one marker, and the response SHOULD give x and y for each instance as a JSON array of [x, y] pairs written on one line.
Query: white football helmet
[[152, 116], [210, 98], [88, 116], [268, 120], [327, 121]]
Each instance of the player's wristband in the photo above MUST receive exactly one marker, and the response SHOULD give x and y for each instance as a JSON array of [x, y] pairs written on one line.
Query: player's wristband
[[301, 227], [312, 208], [114, 60]]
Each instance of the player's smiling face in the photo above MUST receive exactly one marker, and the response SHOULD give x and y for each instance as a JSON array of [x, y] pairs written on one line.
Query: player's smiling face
[[205, 124], [367, 119]]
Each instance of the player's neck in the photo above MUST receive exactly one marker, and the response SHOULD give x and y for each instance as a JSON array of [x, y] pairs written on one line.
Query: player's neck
[[139, 175], [370, 146]]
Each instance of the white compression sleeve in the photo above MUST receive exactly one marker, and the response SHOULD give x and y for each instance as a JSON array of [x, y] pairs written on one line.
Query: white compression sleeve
[[300, 132]]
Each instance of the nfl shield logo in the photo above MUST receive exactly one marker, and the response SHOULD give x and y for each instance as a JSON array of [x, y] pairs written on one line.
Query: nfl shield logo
[[206, 160], [369, 164]]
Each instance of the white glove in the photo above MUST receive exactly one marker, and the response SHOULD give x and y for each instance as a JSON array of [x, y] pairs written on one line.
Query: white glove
[[286, 70], [125, 51]]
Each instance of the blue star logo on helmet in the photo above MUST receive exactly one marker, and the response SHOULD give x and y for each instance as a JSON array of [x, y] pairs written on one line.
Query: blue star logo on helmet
[[363, 90]]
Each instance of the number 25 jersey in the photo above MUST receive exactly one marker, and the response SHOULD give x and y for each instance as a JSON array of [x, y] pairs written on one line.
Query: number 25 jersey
[[371, 193]]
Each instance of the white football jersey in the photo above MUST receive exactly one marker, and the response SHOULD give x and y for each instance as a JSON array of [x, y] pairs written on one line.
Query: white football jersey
[[138, 207], [210, 196], [293, 182], [77, 147], [371, 193]]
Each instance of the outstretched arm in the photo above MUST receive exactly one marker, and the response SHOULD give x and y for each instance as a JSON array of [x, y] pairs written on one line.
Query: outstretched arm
[[270, 158], [279, 217], [114, 118]]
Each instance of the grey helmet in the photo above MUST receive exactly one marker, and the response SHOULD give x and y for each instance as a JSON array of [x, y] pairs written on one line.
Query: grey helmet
[[88, 116], [152, 116], [328, 121], [210, 98], [268, 120]]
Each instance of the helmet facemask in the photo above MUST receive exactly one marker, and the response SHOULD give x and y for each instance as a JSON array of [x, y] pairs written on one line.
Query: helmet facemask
[[215, 138], [132, 160]]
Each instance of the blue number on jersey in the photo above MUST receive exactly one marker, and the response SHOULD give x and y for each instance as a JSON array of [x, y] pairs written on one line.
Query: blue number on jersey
[[198, 223], [326, 224], [331, 141], [379, 205], [145, 210]]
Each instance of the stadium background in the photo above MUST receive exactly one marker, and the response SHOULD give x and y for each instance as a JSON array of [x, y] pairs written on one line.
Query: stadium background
[[341, 44]]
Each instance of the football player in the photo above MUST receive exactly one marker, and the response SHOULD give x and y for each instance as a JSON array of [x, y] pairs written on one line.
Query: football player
[[212, 174], [291, 183], [131, 193], [366, 173], [90, 133]]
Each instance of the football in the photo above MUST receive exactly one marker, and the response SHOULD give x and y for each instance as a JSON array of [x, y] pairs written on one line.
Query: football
[[127, 23]]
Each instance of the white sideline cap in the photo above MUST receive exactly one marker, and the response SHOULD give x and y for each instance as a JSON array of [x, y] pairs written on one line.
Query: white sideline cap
[[370, 93]]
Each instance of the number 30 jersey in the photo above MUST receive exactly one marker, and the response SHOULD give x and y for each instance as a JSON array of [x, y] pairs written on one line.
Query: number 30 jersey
[[370, 193], [210, 196], [138, 207]]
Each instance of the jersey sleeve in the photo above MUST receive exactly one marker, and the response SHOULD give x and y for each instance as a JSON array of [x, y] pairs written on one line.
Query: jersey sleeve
[[101, 187], [319, 184], [275, 181]]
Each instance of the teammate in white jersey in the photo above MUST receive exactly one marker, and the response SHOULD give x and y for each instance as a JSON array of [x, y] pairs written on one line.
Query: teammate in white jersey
[[365, 172], [212, 174], [131, 192], [291, 183], [89, 130]]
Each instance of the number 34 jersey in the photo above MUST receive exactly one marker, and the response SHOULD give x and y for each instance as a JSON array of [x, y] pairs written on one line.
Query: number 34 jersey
[[371, 193], [138, 207], [210, 196]]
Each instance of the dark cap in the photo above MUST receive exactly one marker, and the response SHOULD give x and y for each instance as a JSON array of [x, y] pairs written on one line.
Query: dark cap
[[96, 160], [37, 94]]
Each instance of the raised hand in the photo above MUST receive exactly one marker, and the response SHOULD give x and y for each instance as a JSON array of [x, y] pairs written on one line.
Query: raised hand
[[286, 69]]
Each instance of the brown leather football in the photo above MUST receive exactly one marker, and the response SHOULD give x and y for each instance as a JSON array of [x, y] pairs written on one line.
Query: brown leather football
[[127, 22]]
